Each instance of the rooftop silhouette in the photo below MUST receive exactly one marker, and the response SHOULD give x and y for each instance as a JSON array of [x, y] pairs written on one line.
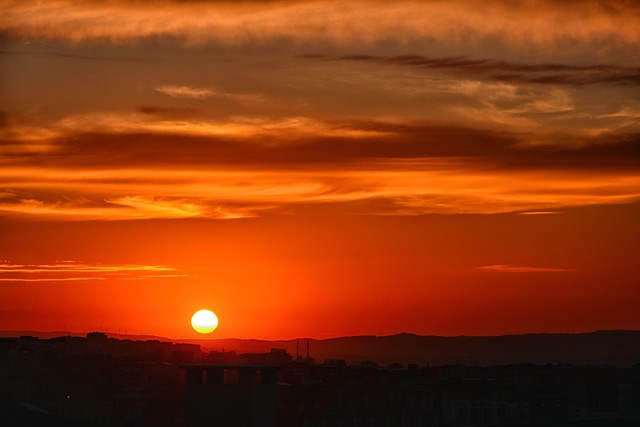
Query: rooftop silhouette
[[102, 381]]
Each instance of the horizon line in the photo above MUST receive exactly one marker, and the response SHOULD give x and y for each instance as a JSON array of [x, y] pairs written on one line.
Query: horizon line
[[151, 336]]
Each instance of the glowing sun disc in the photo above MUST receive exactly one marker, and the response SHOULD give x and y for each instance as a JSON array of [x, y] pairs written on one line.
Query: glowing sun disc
[[204, 321]]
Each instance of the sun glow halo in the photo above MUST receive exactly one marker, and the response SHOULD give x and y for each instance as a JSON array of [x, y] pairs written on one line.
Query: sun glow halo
[[204, 321]]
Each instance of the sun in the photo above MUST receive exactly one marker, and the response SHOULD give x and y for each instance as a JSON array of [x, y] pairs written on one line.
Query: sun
[[204, 321]]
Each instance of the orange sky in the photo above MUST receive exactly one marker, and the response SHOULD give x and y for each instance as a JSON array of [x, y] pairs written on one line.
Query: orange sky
[[320, 168]]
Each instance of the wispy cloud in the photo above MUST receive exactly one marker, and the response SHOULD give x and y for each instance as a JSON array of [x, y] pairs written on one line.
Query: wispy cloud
[[168, 113], [241, 142], [539, 213], [543, 73], [266, 166], [71, 271], [51, 279], [151, 208], [500, 268], [125, 207], [507, 104], [185, 92], [73, 56], [329, 21], [285, 128], [203, 93], [407, 187], [65, 266]]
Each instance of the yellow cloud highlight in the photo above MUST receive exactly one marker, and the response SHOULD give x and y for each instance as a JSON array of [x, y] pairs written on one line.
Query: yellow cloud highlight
[[150, 208], [185, 91], [202, 93], [80, 267], [125, 207], [70, 271], [241, 127], [539, 213], [407, 188], [57, 279]]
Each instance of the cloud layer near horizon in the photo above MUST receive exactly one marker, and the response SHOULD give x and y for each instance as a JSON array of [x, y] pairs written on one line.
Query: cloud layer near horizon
[[72, 271], [378, 168]]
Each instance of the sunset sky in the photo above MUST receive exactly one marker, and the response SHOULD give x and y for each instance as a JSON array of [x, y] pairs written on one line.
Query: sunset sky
[[320, 168]]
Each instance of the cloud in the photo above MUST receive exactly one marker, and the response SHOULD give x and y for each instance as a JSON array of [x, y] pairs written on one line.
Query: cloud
[[152, 208], [71, 271], [509, 72], [539, 213], [73, 56], [513, 23], [516, 107], [168, 113], [122, 207], [185, 92], [145, 208], [500, 268], [203, 93], [122, 141], [628, 114], [167, 121], [396, 186], [117, 167], [5, 119], [58, 279]]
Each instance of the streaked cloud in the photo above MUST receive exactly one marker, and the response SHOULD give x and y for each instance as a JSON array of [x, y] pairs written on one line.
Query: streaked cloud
[[243, 127], [539, 213], [185, 91], [72, 271], [328, 21], [57, 279], [491, 69], [168, 113], [407, 188], [63, 266], [120, 141], [123, 207], [150, 208], [203, 93], [499, 268], [102, 166]]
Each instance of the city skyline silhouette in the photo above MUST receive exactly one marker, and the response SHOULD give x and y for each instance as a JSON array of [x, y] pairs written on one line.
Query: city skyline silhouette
[[319, 169], [98, 380]]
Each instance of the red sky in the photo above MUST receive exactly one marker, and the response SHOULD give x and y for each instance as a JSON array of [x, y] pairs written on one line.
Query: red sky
[[320, 168]]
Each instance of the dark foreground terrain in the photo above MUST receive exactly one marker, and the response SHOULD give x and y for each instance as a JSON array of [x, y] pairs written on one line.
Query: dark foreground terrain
[[101, 381]]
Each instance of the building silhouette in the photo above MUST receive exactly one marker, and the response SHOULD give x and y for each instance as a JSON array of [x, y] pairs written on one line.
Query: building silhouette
[[231, 395], [105, 382]]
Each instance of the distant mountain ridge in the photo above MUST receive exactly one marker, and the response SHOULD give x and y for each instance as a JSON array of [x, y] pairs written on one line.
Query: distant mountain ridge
[[613, 347]]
